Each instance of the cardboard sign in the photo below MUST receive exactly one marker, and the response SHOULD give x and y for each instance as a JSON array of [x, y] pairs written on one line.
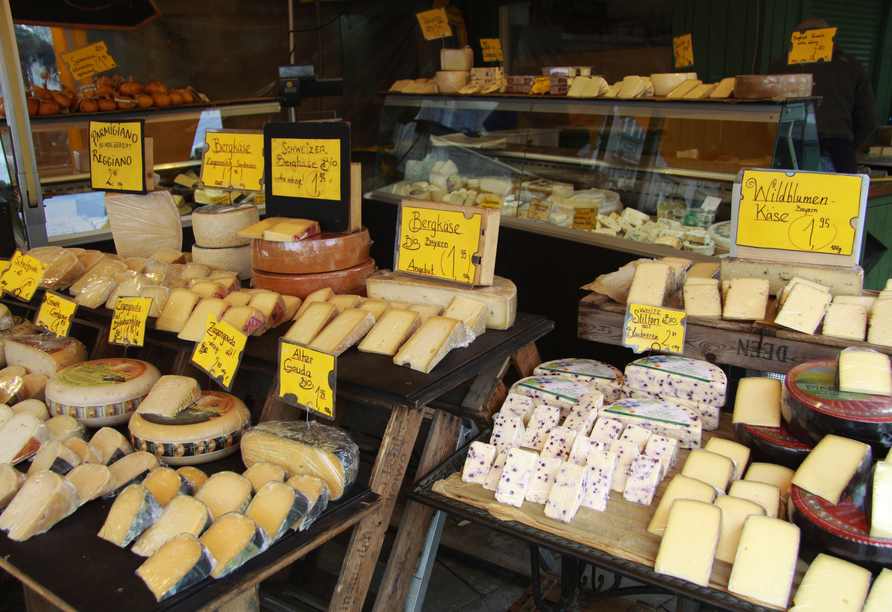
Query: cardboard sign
[[683, 50], [585, 218], [539, 210], [220, 350], [434, 24], [653, 328], [117, 156], [232, 159], [454, 243], [128, 326], [812, 46], [88, 60], [23, 276], [810, 212], [492, 49], [55, 314], [307, 378]]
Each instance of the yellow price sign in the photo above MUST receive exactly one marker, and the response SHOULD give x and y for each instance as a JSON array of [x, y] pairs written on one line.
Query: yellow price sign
[[683, 50], [491, 201], [654, 328], [23, 276], [307, 378], [812, 46], [220, 350], [539, 210], [799, 211], [128, 325], [434, 24], [4, 266], [439, 241], [117, 156], [585, 218], [88, 60], [232, 160], [492, 49], [306, 168], [55, 314]]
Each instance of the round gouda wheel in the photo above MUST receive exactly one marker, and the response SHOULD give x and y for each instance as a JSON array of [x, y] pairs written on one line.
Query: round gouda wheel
[[216, 226], [348, 281], [326, 252]]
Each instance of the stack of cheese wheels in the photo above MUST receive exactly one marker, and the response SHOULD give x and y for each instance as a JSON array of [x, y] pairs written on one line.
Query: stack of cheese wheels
[[337, 261], [217, 245]]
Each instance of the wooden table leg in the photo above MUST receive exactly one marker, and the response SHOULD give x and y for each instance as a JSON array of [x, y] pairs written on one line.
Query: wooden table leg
[[409, 543], [368, 534]]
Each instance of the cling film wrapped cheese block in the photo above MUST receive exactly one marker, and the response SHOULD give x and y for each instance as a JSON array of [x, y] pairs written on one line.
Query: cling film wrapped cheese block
[[181, 563], [604, 377], [165, 484], [225, 492], [305, 448], [277, 507], [111, 445], [317, 494], [63, 267], [44, 353], [11, 480], [21, 437], [233, 539], [170, 395], [184, 514], [92, 480], [144, 224], [55, 457], [134, 511], [132, 468], [45, 499]]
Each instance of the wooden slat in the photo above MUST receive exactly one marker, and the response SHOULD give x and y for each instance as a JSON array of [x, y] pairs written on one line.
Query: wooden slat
[[483, 387], [526, 359]]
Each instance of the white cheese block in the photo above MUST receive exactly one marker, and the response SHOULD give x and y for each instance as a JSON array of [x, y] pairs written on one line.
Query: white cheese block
[[55, 457], [841, 280], [881, 504], [491, 482], [317, 494], [606, 430], [11, 480], [584, 413], [196, 324], [457, 59], [515, 479], [711, 468], [582, 448], [543, 420], [703, 299], [179, 564], [598, 482], [738, 453], [758, 402], [170, 395], [21, 437], [7, 413], [602, 376], [313, 319], [661, 417], [96, 292], [847, 321], [44, 354], [625, 452], [803, 309], [430, 344], [652, 283], [636, 434], [519, 405], [566, 493], [862, 370], [543, 479], [689, 379], [278, 507], [777, 475], [665, 449], [734, 513], [237, 259], [132, 467], [263, 472], [687, 550], [390, 332], [747, 299], [559, 443], [557, 391], [680, 487], [165, 484], [35, 407], [508, 432], [880, 592], [478, 463], [45, 499], [180, 304], [470, 312], [766, 561], [766, 495], [709, 414], [91, 480], [831, 465], [832, 585], [880, 330], [644, 477], [184, 514], [232, 540]]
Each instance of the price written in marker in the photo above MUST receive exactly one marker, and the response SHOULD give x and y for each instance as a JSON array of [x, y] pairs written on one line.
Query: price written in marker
[[306, 168], [539, 210], [812, 46], [23, 276], [434, 24], [220, 350], [128, 326], [86, 61], [232, 160], [585, 218], [492, 49], [683, 50], [491, 201], [55, 314], [307, 378], [798, 211], [654, 328], [117, 156]]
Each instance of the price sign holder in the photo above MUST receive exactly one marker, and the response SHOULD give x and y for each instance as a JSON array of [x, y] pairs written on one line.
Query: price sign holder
[[802, 217], [812, 46], [307, 173], [654, 328], [128, 325], [307, 378], [55, 314], [683, 51], [23, 276], [232, 159], [118, 156], [434, 24], [585, 218], [219, 352], [88, 60], [492, 49], [455, 243], [539, 210]]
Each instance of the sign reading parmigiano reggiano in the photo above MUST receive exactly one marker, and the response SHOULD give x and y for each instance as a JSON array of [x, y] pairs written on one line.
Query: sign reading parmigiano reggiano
[[117, 156]]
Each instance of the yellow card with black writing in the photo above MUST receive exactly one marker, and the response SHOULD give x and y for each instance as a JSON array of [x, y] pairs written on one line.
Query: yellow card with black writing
[[55, 314], [434, 24], [585, 218], [812, 46], [23, 276], [540, 210], [128, 326], [654, 328], [683, 50], [492, 49], [307, 378], [491, 201], [88, 60], [306, 168], [220, 350], [117, 156], [232, 159]]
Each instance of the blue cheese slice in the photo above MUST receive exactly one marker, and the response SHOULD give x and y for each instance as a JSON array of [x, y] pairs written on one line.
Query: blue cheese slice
[[545, 418], [478, 463], [660, 417], [515, 480], [543, 479], [566, 493], [559, 443], [599, 468], [507, 432], [678, 377]]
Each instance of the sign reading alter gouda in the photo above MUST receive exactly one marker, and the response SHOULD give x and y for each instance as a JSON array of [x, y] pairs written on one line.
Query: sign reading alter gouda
[[86, 61], [812, 46], [128, 326], [307, 378], [439, 242], [306, 168], [434, 24], [653, 328], [220, 350], [55, 314], [492, 49], [117, 156], [232, 160], [23, 276], [798, 211], [683, 50]]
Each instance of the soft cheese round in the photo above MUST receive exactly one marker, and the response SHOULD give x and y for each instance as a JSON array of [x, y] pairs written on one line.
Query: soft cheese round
[[603, 376], [326, 252], [347, 281], [100, 393]]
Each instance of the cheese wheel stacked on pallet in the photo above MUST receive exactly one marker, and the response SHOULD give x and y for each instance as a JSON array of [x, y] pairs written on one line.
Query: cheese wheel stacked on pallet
[[217, 243]]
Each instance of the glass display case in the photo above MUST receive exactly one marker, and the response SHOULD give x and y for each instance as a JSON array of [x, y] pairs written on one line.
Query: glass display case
[[585, 169]]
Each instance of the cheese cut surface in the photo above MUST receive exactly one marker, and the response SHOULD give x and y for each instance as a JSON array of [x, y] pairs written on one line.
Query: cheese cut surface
[[747, 300], [803, 309], [318, 495], [665, 449], [766, 495], [470, 312], [542, 479], [769, 473], [170, 395], [291, 230], [687, 550], [703, 300], [44, 499], [165, 484], [231, 540], [237, 259], [832, 585], [880, 593], [43, 354], [345, 301], [263, 472], [177, 309], [651, 284], [391, 332], [543, 420], [132, 467], [758, 402], [847, 321], [881, 507], [766, 561], [111, 444], [864, 371], [491, 482], [184, 514], [246, 319], [344, 331], [507, 432], [680, 487], [180, 563], [478, 462], [314, 318], [278, 507], [558, 443], [225, 492], [661, 417], [91, 481], [426, 310], [195, 325], [21, 437], [841, 280], [515, 479], [625, 452], [55, 457], [644, 477], [679, 377], [193, 476], [376, 307], [598, 482], [321, 295], [159, 297], [566, 493], [638, 435], [11, 480], [606, 430], [583, 415], [431, 343], [96, 291], [582, 447], [738, 453], [830, 466], [734, 513]]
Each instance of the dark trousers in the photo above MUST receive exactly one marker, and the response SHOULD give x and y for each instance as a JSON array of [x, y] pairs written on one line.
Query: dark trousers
[[842, 152]]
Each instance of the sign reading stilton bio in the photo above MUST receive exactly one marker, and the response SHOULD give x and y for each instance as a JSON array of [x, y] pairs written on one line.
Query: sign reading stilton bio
[[117, 156], [307, 378], [232, 159], [653, 328]]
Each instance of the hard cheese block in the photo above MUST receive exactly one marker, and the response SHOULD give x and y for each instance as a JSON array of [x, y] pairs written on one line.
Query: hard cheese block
[[278, 507], [672, 376], [11, 480], [344, 331], [758, 402], [225, 492], [660, 417], [507, 432], [687, 550], [832, 585], [840, 280], [769, 473], [431, 343], [599, 468], [833, 464], [184, 514], [470, 312], [803, 309], [564, 393], [680, 487], [44, 354], [391, 332], [231, 540], [45, 499], [134, 510], [543, 420], [543, 479], [21, 437], [131, 468], [559, 443], [864, 371], [170, 395], [566, 493], [747, 300], [734, 514], [766, 561], [652, 284], [180, 563], [766, 495], [165, 484], [261, 473], [317, 494], [881, 507], [665, 449], [880, 593], [478, 463], [738, 453], [309, 323], [55, 457], [91, 481], [644, 477], [711, 468]]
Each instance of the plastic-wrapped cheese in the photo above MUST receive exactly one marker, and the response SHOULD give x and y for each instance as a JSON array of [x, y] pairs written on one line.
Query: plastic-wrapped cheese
[[246, 319], [55, 457], [11, 480], [179, 305], [144, 224], [159, 297], [21, 437], [133, 467], [305, 448], [194, 329], [165, 484], [325, 252], [35, 407], [318, 496], [232, 540], [225, 492], [170, 395], [193, 476], [104, 268], [96, 292], [261, 473], [63, 267], [86, 451], [184, 514], [91, 481], [604, 377], [134, 510], [111, 444], [44, 354], [45, 499], [450, 81], [181, 563], [277, 507]]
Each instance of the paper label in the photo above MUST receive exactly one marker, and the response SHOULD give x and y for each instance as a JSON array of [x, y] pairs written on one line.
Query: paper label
[[23, 276], [653, 328], [798, 211], [438, 243], [88, 60], [307, 378], [652, 410], [683, 51], [492, 49], [812, 46], [585, 218], [539, 210], [434, 24], [232, 160], [304, 168], [559, 387], [55, 314], [128, 325], [689, 368], [491, 201], [220, 350], [579, 367], [117, 156], [102, 373]]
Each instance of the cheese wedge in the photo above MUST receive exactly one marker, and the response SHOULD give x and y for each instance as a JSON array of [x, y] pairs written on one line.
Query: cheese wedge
[[470, 312], [277, 507], [831, 465], [238, 298], [134, 510], [246, 319], [194, 329], [193, 476], [184, 514], [766, 495], [832, 585], [133, 467], [21, 437], [45, 499], [391, 332], [734, 514], [255, 231], [684, 89], [272, 305], [225, 492], [318, 495], [165, 484], [55, 457], [176, 566], [180, 304], [724, 89], [314, 318], [766, 561], [111, 444], [376, 307], [321, 295], [231, 540], [344, 331], [11, 480], [688, 547], [290, 230], [170, 395], [263, 472], [91, 480], [431, 343], [680, 487]]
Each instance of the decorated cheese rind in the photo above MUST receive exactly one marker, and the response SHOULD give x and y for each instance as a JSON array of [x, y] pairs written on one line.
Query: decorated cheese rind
[[708, 413], [555, 391], [604, 377], [689, 379], [660, 417]]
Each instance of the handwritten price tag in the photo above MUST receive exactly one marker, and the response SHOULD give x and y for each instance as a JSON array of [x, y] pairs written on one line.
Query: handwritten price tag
[[683, 50], [232, 160], [585, 218], [653, 328], [55, 314], [86, 61], [306, 168], [220, 350], [23, 276], [307, 378], [798, 211], [117, 156], [491, 201], [492, 49], [128, 326], [812, 46], [434, 24], [539, 210]]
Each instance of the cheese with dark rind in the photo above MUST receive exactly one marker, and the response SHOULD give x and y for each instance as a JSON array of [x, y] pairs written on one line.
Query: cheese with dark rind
[[225, 492], [773, 444], [181, 563], [184, 514], [55, 457], [45, 499], [165, 484], [92, 480], [131, 468], [348, 280], [325, 252], [111, 444], [232, 540], [277, 507], [317, 494], [836, 465], [193, 476]]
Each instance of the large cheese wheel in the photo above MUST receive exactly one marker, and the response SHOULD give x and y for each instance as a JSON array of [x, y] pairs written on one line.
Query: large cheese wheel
[[351, 280], [237, 259], [101, 393], [210, 429], [216, 226], [324, 252]]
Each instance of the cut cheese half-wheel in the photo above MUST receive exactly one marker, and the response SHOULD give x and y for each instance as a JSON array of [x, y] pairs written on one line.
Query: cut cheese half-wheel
[[181, 563], [348, 280], [44, 354], [103, 392], [217, 226], [237, 259], [134, 511], [233, 539], [91, 481], [53, 456], [225, 492], [324, 252], [11, 480], [111, 444], [263, 472], [277, 507], [165, 484], [184, 514], [318, 496], [193, 476], [21, 437], [210, 429], [132, 468], [45, 499]]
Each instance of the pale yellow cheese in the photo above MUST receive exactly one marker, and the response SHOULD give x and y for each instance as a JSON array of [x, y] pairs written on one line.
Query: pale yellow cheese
[[291, 230], [238, 298], [11, 480], [880, 593], [170, 395], [376, 307], [292, 303], [231, 540], [734, 513], [766, 561], [689, 543], [111, 444], [133, 466], [164, 483], [680, 487], [255, 231], [54, 456], [758, 402], [711, 468], [747, 299], [263, 472], [159, 297], [777, 475], [21, 437], [180, 304], [344, 331], [183, 514], [881, 502], [470, 312], [277, 507], [803, 309], [847, 321], [225, 492], [431, 343], [45, 499], [321, 295], [651, 284], [426, 310], [829, 467], [738, 453], [864, 371], [703, 299], [314, 318], [766, 495], [209, 289], [391, 332], [92, 480], [832, 585], [194, 329]]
